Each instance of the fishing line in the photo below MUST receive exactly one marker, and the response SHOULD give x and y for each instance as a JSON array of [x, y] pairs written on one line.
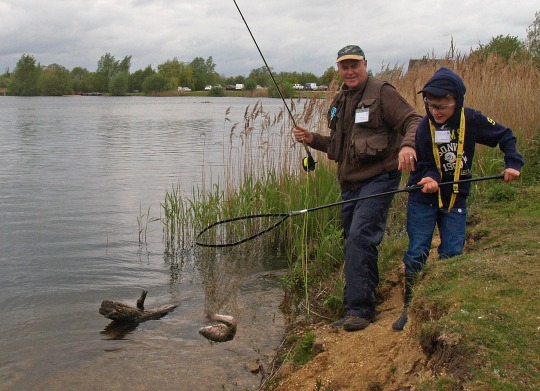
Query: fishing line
[[308, 163]]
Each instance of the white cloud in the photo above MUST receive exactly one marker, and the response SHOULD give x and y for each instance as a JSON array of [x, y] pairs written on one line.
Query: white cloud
[[293, 35]]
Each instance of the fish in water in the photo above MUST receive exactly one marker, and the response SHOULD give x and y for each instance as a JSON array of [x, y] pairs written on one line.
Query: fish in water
[[222, 329]]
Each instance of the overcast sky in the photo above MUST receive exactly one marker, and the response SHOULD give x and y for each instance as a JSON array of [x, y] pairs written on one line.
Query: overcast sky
[[293, 35]]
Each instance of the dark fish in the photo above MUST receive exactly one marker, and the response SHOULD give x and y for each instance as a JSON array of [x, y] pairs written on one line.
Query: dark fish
[[222, 329]]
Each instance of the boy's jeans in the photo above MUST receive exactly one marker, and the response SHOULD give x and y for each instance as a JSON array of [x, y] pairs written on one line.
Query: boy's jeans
[[421, 221]]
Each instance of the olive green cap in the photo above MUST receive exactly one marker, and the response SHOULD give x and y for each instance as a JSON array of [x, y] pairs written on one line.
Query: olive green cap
[[350, 52]]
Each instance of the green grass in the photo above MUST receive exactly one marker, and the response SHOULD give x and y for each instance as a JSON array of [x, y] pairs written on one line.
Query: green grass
[[303, 351], [478, 315]]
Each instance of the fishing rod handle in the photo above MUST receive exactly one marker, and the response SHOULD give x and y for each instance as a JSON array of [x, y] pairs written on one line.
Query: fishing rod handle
[[482, 178], [403, 189]]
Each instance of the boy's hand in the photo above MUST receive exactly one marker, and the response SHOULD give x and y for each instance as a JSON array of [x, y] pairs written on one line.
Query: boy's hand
[[430, 185], [510, 174]]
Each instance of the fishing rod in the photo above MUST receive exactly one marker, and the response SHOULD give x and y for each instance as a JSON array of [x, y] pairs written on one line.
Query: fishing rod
[[238, 230], [308, 163]]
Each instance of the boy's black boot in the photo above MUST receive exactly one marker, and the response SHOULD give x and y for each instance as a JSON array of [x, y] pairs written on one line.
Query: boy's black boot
[[400, 323]]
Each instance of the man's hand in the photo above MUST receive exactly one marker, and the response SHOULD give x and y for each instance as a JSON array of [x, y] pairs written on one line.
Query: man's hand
[[301, 134], [407, 159]]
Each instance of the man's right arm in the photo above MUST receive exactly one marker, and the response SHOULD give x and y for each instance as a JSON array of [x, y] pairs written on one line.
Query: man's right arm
[[320, 142]]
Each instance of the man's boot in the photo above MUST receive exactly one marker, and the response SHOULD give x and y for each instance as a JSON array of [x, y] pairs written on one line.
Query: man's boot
[[400, 323]]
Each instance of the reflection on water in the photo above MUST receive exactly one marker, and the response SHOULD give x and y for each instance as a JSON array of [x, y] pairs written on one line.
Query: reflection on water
[[76, 172], [118, 330]]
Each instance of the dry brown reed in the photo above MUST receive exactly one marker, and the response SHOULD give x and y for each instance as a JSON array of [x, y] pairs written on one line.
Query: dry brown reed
[[509, 92], [506, 91], [263, 144]]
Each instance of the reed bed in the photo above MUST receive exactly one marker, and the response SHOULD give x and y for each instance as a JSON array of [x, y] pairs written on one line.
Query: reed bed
[[261, 165], [263, 174]]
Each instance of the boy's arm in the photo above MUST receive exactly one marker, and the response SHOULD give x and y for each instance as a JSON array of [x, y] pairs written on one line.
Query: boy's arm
[[491, 133]]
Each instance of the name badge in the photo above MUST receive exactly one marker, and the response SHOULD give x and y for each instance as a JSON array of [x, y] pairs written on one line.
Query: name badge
[[362, 115], [442, 136]]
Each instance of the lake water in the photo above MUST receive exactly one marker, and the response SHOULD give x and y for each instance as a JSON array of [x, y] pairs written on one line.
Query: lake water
[[75, 174]]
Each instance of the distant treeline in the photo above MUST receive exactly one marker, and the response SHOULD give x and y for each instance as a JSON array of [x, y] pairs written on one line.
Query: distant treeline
[[30, 78]]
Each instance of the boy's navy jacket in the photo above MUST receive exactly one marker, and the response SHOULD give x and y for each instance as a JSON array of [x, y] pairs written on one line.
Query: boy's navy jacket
[[478, 129]]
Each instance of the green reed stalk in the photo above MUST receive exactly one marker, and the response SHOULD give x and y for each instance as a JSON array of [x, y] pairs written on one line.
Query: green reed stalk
[[143, 225]]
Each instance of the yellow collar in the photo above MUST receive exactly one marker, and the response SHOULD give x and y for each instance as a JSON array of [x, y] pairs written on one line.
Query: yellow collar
[[457, 172]]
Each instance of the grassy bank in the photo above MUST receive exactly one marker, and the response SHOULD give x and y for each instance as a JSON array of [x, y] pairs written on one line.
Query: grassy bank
[[257, 93], [477, 315]]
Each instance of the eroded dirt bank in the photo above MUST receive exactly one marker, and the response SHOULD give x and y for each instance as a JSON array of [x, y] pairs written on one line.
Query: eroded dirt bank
[[376, 358]]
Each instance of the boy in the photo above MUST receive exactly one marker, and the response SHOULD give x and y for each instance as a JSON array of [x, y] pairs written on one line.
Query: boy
[[445, 143]]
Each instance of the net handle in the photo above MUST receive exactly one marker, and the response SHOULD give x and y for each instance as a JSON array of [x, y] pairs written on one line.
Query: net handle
[[285, 216]]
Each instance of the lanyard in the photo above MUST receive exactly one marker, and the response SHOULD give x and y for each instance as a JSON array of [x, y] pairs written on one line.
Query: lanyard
[[457, 172]]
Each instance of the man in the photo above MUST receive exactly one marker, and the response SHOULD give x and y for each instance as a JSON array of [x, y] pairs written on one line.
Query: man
[[372, 131]]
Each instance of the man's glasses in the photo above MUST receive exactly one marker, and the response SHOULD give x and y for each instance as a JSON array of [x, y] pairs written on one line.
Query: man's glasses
[[438, 107]]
